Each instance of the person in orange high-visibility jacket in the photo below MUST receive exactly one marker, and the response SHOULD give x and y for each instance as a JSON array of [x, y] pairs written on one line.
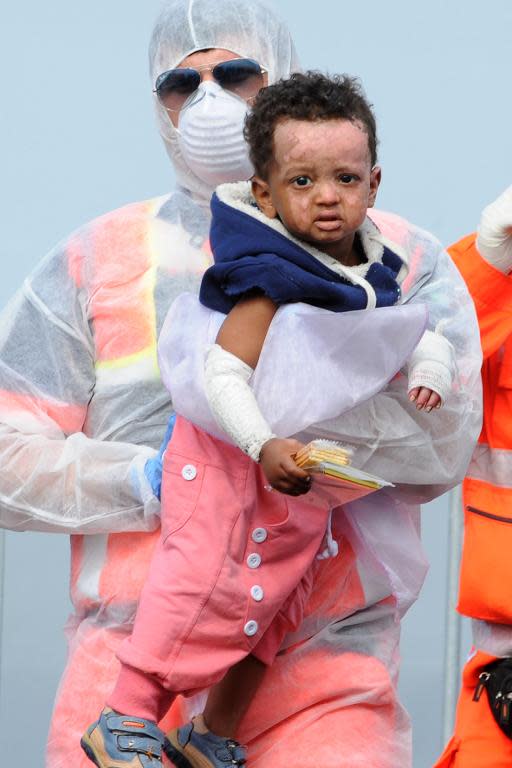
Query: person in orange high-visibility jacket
[[485, 262]]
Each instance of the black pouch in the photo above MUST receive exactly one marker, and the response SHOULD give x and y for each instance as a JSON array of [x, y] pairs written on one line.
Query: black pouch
[[496, 678]]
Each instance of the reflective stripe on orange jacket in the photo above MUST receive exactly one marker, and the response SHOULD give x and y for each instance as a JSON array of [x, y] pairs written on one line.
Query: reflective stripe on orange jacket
[[487, 491]]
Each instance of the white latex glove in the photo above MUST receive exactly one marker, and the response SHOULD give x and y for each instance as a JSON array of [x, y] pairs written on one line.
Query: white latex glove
[[494, 239]]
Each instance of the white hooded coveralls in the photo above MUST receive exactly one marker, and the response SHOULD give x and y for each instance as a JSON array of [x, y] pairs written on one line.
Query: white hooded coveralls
[[82, 406]]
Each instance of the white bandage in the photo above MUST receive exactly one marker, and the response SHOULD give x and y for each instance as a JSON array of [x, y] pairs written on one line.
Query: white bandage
[[494, 239], [232, 401], [432, 364]]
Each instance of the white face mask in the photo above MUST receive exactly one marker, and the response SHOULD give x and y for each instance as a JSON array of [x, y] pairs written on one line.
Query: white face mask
[[210, 133]]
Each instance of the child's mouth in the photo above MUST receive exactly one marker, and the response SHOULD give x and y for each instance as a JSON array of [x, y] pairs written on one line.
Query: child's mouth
[[328, 223]]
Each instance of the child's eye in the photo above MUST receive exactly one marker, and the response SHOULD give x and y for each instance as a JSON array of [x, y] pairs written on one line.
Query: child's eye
[[347, 178], [302, 181]]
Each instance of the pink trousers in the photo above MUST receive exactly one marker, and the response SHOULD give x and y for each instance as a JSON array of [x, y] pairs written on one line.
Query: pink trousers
[[230, 576]]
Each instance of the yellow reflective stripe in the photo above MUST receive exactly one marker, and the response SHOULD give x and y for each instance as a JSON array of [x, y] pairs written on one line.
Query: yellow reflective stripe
[[137, 357]]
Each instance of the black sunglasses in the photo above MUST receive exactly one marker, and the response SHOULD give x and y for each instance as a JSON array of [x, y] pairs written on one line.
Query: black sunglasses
[[241, 76]]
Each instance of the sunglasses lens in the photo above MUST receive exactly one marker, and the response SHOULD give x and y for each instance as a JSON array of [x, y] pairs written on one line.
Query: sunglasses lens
[[175, 86], [241, 76]]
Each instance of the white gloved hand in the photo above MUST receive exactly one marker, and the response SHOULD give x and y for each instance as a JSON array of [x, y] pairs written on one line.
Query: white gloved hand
[[494, 239]]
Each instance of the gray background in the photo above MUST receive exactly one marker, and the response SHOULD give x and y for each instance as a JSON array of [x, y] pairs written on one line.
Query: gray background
[[77, 139]]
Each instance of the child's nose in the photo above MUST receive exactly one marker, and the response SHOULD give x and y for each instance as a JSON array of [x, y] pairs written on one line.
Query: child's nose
[[328, 193]]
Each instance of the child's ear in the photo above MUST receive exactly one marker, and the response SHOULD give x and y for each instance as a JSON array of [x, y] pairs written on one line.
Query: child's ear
[[263, 196], [375, 179]]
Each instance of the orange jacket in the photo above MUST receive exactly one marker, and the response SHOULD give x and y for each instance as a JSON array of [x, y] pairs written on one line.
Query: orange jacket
[[486, 568]]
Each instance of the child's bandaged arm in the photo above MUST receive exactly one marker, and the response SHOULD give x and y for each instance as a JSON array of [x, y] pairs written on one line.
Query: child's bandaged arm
[[432, 364], [228, 368]]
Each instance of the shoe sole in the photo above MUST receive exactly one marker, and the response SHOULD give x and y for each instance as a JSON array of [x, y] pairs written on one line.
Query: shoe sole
[[177, 758], [87, 748]]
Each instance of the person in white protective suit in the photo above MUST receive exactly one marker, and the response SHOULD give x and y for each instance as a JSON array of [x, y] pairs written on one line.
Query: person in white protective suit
[[234, 565], [79, 423]]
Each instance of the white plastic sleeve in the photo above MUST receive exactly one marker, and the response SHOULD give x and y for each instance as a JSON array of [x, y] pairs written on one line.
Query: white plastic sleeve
[[432, 364], [88, 483], [232, 401]]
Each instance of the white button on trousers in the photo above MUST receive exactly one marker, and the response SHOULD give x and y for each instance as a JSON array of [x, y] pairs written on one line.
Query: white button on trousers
[[188, 472], [254, 560], [251, 628], [257, 593], [259, 535]]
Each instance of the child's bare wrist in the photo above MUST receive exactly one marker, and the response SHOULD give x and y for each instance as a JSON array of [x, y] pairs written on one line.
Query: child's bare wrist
[[265, 446]]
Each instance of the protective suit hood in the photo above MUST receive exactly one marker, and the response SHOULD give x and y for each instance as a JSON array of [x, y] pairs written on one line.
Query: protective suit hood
[[185, 26]]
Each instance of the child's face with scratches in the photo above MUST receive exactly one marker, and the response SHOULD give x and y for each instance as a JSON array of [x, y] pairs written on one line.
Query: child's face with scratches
[[320, 182]]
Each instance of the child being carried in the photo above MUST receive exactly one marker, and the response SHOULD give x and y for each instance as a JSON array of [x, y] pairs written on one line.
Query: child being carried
[[235, 563]]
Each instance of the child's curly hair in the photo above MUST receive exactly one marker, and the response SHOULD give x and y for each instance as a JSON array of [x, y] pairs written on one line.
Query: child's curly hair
[[305, 96]]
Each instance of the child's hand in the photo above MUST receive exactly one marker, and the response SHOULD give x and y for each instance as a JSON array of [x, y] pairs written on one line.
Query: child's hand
[[425, 398], [276, 459]]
